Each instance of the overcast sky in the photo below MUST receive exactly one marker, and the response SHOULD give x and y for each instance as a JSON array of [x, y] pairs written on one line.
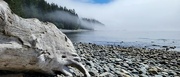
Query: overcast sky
[[129, 14]]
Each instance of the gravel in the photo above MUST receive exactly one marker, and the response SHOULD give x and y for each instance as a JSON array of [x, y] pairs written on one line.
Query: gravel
[[119, 61], [114, 61]]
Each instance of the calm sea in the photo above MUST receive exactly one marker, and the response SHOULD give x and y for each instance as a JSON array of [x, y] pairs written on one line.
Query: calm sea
[[151, 39]]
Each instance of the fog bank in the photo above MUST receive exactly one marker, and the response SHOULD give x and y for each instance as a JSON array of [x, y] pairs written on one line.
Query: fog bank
[[130, 14]]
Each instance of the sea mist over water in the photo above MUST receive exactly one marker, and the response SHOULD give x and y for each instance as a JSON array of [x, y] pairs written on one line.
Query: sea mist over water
[[60, 17], [133, 22], [63, 16], [136, 15]]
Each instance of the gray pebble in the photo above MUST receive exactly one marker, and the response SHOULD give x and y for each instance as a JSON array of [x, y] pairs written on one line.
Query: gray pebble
[[158, 76], [90, 63], [106, 74]]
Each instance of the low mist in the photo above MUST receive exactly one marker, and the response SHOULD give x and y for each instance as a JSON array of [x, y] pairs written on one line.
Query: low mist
[[158, 15], [71, 19], [61, 16], [61, 19]]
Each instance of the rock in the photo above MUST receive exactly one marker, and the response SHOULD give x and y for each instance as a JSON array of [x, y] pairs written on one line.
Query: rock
[[172, 73], [111, 67], [106, 74], [178, 72], [164, 57], [135, 71], [135, 75], [31, 45], [178, 59], [158, 76], [106, 69], [123, 74], [160, 69], [124, 71], [153, 70], [118, 66], [128, 60], [93, 72], [118, 60], [90, 63], [143, 75], [164, 73], [112, 60], [142, 70], [131, 62], [125, 65], [163, 62]]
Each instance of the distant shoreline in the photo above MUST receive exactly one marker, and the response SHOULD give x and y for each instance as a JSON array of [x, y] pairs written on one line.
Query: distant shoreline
[[69, 31], [137, 45]]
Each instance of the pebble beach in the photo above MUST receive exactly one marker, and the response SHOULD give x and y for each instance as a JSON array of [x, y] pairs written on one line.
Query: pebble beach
[[119, 61]]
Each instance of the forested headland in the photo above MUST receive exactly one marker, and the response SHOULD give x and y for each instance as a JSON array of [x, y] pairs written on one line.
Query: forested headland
[[62, 17]]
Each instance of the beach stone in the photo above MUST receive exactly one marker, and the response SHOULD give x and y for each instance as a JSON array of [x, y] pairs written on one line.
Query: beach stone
[[135, 71], [172, 73], [106, 69], [178, 72], [164, 57], [178, 59], [93, 72], [118, 60], [158, 76], [125, 65], [163, 62], [111, 66], [106, 74], [142, 70], [90, 63], [132, 64], [160, 69], [118, 66], [143, 75], [153, 70], [112, 69], [164, 73], [128, 60], [135, 75], [112, 60], [123, 74]]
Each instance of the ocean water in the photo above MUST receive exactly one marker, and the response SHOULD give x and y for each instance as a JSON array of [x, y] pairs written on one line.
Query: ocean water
[[150, 39]]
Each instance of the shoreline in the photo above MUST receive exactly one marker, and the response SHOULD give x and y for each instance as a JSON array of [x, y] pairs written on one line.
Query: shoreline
[[70, 31], [138, 45], [104, 37], [114, 61]]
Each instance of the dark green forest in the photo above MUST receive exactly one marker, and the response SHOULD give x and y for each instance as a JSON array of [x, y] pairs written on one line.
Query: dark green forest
[[62, 17]]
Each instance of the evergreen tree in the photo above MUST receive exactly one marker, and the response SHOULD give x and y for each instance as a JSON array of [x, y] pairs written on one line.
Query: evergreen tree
[[41, 9]]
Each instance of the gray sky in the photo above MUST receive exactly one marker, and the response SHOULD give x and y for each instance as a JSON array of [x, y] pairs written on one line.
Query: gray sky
[[129, 14]]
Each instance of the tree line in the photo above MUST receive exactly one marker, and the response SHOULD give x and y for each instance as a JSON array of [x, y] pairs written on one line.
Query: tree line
[[62, 17]]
